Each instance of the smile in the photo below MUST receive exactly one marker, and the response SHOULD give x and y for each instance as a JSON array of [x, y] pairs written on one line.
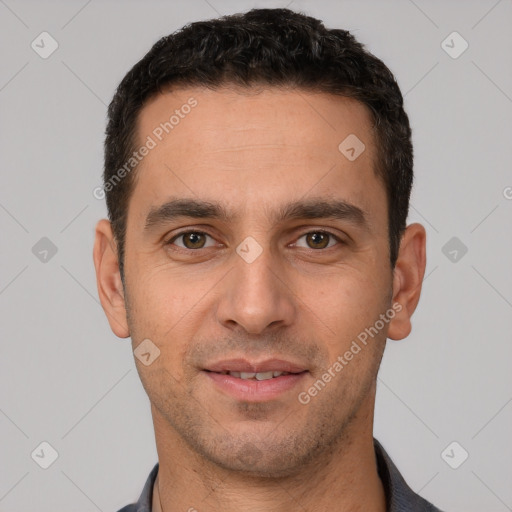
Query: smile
[[255, 376]]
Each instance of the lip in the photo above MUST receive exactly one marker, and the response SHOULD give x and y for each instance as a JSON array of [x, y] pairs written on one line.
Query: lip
[[250, 390], [243, 365], [253, 390]]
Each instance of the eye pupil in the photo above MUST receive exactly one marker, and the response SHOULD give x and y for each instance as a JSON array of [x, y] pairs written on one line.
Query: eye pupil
[[318, 237], [192, 237]]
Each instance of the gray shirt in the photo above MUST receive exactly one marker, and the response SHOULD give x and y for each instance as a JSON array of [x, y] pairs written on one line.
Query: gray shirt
[[399, 496]]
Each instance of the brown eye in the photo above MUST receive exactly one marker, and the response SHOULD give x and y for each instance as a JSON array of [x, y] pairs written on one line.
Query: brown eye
[[191, 240], [319, 239]]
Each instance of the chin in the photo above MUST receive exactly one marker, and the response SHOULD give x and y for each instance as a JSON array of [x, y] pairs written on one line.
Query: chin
[[280, 458], [260, 469]]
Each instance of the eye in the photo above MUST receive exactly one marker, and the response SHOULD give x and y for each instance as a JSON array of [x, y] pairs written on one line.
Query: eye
[[195, 240], [191, 240], [319, 239]]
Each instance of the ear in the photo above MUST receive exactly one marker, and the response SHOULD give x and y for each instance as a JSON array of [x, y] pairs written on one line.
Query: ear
[[408, 279], [108, 279]]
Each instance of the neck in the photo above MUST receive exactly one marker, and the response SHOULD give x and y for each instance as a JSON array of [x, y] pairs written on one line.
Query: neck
[[343, 479]]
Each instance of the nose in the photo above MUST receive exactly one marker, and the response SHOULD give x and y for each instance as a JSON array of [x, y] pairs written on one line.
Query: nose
[[255, 295]]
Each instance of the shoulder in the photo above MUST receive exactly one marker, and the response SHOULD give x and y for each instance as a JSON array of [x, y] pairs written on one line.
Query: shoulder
[[146, 497], [399, 496]]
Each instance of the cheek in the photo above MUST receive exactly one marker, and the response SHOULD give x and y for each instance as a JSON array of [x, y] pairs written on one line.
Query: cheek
[[163, 296], [349, 304], [160, 310], [348, 298]]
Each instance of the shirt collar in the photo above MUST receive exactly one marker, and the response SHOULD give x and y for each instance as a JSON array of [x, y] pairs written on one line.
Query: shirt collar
[[399, 496]]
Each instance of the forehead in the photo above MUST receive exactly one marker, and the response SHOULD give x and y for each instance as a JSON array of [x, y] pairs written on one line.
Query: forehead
[[255, 147]]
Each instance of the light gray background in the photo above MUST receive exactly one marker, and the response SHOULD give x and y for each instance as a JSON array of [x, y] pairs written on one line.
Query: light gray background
[[67, 380]]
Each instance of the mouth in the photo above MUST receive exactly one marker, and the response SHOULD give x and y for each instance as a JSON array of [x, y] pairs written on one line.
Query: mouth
[[255, 382], [256, 376]]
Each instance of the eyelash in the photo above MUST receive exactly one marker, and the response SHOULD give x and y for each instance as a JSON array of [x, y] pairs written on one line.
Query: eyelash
[[178, 235]]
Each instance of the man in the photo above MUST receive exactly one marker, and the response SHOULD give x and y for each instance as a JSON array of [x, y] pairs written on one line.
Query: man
[[258, 169]]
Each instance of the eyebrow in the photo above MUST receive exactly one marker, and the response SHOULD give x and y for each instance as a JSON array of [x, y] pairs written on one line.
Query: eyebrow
[[315, 208]]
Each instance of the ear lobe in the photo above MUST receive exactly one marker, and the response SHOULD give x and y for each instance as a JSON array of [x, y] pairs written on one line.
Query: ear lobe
[[408, 279], [108, 279]]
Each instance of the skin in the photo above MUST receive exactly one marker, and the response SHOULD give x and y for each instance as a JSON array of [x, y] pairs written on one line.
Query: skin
[[254, 153]]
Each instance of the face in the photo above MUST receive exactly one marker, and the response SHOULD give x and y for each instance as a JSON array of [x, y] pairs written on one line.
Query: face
[[280, 265]]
